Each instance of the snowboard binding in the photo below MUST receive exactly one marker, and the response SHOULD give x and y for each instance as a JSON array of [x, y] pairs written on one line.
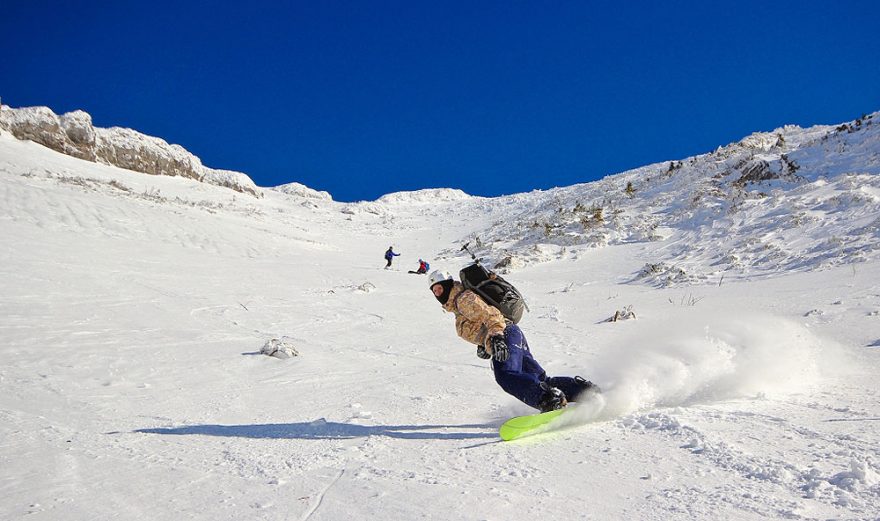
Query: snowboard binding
[[552, 400]]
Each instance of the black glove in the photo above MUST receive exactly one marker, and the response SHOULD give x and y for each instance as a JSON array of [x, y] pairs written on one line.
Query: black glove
[[481, 352], [499, 348]]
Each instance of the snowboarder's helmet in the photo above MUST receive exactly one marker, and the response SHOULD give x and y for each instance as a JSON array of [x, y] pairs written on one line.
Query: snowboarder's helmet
[[438, 276]]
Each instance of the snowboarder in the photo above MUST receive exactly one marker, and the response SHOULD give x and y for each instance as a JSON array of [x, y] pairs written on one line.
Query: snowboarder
[[516, 370], [390, 255], [423, 268]]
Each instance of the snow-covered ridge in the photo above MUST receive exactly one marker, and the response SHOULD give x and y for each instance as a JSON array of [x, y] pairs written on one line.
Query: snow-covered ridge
[[789, 200], [794, 199], [74, 134]]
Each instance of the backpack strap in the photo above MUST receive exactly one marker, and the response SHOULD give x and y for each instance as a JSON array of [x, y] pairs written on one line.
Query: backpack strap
[[455, 301]]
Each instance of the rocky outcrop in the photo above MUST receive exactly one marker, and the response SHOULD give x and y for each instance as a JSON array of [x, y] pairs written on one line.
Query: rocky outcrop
[[75, 135], [132, 150], [71, 134]]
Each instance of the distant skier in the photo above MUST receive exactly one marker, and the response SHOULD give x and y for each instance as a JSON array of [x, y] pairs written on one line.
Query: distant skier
[[516, 370], [390, 255], [423, 268]]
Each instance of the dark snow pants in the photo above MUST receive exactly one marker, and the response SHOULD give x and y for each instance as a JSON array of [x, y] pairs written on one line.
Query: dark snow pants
[[521, 375]]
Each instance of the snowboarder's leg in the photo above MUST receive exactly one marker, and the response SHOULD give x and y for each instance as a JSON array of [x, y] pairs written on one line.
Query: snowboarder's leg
[[531, 366], [509, 374], [521, 375], [572, 387], [513, 335]]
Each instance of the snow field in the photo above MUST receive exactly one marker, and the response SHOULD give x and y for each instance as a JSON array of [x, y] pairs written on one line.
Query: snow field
[[132, 386]]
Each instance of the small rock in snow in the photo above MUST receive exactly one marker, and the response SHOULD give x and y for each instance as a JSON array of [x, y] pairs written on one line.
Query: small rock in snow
[[279, 348]]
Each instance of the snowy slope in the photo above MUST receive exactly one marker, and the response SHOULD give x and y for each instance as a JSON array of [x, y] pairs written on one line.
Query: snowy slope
[[133, 309], [790, 200]]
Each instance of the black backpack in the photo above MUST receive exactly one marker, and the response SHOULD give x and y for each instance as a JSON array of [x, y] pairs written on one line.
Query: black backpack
[[493, 289]]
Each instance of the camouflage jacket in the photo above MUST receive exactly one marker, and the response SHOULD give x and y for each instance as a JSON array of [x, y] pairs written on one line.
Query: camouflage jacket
[[475, 321]]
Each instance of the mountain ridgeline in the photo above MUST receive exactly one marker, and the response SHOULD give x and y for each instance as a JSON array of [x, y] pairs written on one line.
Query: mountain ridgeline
[[794, 199]]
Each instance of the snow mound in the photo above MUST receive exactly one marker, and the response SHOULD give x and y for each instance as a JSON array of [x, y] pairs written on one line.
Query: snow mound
[[301, 190], [231, 179], [427, 196], [367, 287]]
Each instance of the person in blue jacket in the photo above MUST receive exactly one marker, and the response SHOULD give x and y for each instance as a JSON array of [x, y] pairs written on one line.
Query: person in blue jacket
[[390, 255]]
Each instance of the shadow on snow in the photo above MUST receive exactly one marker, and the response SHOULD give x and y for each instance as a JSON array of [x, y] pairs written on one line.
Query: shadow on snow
[[324, 430]]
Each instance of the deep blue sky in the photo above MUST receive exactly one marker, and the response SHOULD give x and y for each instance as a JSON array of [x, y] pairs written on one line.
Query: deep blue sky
[[365, 98]]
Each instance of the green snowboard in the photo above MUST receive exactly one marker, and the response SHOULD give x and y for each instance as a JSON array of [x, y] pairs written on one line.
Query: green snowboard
[[521, 425]]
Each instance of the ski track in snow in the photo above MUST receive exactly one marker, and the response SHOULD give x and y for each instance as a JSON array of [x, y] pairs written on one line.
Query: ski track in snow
[[320, 498], [132, 320]]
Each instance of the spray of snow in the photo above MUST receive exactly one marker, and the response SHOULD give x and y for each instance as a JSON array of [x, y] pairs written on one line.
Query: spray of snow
[[696, 358]]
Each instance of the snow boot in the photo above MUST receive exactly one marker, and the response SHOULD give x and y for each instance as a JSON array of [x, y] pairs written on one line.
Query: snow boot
[[585, 388], [553, 399]]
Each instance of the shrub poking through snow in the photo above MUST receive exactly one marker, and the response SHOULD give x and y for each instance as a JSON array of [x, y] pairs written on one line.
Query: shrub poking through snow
[[366, 287], [622, 314], [663, 274]]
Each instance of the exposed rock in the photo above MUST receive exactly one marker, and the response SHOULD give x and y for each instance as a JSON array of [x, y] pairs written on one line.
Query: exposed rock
[[80, 133], [756, 171], [126, 148], [508, 263], [75, 135], [279, 348], [38, 124]]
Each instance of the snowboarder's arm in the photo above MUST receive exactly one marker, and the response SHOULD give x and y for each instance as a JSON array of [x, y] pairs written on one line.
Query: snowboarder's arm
[[488, 320]]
